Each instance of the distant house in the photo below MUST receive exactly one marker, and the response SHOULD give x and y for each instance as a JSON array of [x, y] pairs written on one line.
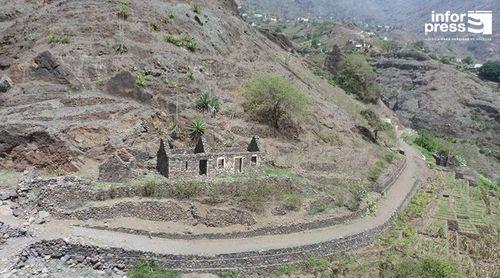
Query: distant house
[[203, 161], [475, 66]]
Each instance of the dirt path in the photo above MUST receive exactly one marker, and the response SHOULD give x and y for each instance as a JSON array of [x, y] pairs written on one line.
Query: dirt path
[[395, 196]]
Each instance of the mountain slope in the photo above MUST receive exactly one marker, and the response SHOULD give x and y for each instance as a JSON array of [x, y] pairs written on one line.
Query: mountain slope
[[74, 105]]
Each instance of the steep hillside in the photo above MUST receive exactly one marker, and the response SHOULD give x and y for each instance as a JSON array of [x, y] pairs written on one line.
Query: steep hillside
[[88, 84]]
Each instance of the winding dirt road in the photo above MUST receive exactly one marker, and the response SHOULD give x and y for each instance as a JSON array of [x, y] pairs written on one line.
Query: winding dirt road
[[394, 198]]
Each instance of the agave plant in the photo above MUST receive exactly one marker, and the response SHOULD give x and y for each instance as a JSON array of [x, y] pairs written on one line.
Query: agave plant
[[198, 127], [207, 102]]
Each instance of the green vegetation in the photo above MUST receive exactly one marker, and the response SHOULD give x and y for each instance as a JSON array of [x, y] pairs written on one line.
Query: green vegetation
[[292, 201], [61, 38], [425, 268], [426, 141], [171, 14], [123, 9], [229, 274], [254, 197], [198, 127], [196, 8], [319, 206], [420, 45], [190, 75], [273, 99], [284, 269], [186, 189], [389, 46], [150, 183], [188, 42], [374, 120], [376, 171], [468, 60], [120, 48], [175, 40], [490, 71], [357, 77], [150, 269], [140, 78], [207, 102], [315, 264]]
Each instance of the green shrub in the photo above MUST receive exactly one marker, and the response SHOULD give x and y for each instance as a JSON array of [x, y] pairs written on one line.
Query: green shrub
[[426, 141], [319, 206], [123, 9], [374, 121], [389, 45], [196, 8], [314, 264], [61, 38], [284, 269], [490, 71], [254, 197], [140, 78], [150, 183], [273, 99], [426, 268], [376, 170], [357, 77], [190, 74], [150, 269], [121, 48], [171, 14], [208, 102], [173, 39], [198, 127], [292, 201], [186, 189], [468, 60], [190, 43]]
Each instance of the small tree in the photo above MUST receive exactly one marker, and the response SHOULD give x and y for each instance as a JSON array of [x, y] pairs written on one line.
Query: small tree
[[468, 60], [357, 77], [490, 71], [273, 99]]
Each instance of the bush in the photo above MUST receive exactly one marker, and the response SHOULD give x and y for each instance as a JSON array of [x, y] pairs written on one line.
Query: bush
[[273, 99], [150, 269], [284, 269], [229, 274], [61, 38], [123, 10], [254, 197], [468, 60], [173, 39], [121, 48], [198, 127], [389, 46], [140, 78], [426, 141], [208, 102], [292, 201], [150, 184], [376, 170], [196, 8], [186, 189], [374, 121], [357, 77], [426, 268], [190, 43], [315, 264], [171, 14], [490, 71]]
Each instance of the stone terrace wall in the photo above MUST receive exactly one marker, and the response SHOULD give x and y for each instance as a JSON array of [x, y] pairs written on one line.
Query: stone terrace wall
[[257, 262]]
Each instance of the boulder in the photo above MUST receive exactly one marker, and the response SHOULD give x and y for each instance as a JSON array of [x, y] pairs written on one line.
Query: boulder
[[124, 84], [5, 84]]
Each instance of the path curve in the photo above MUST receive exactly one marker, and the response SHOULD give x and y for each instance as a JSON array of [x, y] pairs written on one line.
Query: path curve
[[394, 199]]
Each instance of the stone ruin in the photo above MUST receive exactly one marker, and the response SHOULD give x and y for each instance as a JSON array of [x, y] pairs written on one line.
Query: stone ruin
[[203, 161]]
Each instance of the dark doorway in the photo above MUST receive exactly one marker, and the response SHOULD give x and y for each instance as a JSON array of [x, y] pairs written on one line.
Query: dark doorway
[[238, 164], [203, 167]]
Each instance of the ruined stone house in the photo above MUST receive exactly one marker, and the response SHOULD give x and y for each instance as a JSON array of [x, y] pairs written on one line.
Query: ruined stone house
[[203, 161]]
